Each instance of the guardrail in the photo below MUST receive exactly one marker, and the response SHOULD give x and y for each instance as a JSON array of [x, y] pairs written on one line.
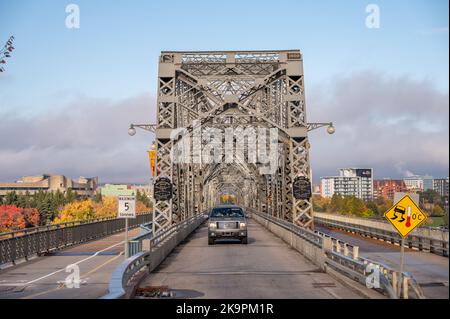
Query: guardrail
[[423, 238], [135, 243], [159, 247], [329, 252], [26, 243]]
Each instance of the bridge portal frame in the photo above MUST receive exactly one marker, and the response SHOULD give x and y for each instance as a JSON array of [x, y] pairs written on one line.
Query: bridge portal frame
[[199, 87]]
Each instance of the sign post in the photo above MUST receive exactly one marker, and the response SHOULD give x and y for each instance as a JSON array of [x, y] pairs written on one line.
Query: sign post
[[127, 209], [405, 216]]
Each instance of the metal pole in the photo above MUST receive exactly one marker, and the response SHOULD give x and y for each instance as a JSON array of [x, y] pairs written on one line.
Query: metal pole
[[402, 257], [126, 239]]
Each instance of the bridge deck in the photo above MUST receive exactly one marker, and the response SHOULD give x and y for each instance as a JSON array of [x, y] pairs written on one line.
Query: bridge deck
[[42, 277], [265, 268]]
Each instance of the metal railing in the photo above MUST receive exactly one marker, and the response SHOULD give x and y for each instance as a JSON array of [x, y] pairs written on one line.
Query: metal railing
[[35, 241], [345, 259], [159, 247], [424, 239], [135, 243]]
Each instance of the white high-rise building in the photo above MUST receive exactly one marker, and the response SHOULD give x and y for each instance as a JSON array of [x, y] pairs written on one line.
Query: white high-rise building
[[356, 182], [327, 186]]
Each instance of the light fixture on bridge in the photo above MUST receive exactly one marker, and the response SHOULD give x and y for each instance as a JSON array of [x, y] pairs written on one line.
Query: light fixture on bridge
[[314, 126], [331, 129], [131, 130], [146, 127]]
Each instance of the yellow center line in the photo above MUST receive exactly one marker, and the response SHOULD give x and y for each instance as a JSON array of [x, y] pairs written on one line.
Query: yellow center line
[[83, 276], [104, 264]]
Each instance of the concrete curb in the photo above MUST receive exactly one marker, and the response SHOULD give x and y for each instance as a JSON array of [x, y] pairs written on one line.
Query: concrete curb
[[364, 291]]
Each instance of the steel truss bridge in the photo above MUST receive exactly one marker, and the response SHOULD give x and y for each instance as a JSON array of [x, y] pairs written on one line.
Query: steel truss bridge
[[248, 93]]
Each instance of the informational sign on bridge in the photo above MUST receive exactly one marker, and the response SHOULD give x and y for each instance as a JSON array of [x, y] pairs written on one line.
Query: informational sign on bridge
[[127, 207], [302, 188], [162, 190]]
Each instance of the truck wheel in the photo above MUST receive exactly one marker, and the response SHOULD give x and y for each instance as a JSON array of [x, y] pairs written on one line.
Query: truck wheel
[[211, 241], [244, 241]]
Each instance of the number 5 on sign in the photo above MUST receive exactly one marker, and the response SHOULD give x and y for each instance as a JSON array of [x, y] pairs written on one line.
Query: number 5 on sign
[[127, 206]]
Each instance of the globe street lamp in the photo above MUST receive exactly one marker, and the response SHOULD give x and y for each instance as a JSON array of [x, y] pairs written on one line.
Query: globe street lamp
[[132, 131], [330, 127], [146, 127]]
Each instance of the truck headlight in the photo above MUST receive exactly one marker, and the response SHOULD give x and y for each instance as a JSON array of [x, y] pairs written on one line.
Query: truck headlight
[[212, 225], [242, 225]]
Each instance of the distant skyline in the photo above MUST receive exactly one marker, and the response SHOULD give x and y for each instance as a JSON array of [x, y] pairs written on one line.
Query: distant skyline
[[67, 96]]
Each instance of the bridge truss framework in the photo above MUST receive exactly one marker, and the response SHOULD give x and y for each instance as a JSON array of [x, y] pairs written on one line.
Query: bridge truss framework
[[232, 89]]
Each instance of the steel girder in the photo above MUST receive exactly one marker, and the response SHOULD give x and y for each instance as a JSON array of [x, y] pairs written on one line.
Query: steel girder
[[231, 89]]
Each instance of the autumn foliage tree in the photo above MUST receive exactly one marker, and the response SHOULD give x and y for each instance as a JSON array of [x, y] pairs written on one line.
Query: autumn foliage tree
[[16, 218], [80, 210], [107, 207], [89, 209], [344, 205]]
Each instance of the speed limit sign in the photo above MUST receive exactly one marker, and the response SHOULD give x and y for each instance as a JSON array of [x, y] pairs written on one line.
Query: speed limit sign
[[127, 205]]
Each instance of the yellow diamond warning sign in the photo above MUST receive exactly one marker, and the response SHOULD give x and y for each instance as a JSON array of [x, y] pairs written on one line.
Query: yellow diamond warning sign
[[405, 216]]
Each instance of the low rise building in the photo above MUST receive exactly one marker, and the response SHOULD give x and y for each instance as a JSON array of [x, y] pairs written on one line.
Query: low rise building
[[115, 190], [51, 183], [386, 188], [144, 189], [125, 189]]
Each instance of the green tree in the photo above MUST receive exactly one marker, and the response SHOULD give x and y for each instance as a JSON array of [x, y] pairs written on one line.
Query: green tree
[[141, 197], [71, 196], [373, 207], [368, 213], [97, 198], [336, 203], [430, 196], [11, 198], [437, 211]]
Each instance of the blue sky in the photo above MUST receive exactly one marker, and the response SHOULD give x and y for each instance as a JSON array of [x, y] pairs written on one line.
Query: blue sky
[[113, 56]]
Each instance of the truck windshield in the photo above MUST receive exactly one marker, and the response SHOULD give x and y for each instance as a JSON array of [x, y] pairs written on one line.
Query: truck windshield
[[227, 212]]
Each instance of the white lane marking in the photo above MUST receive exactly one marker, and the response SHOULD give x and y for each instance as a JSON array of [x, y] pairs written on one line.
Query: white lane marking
[[63, 269]]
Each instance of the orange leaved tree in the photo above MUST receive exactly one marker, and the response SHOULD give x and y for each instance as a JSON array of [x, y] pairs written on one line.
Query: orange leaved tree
[[11, 218]]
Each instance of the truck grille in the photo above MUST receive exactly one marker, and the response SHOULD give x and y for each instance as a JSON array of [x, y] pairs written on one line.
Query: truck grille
[[227, 225]]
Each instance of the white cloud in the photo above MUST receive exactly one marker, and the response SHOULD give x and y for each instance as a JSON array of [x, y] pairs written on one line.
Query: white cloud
[[394, 124], [87, 137], [380, 121]]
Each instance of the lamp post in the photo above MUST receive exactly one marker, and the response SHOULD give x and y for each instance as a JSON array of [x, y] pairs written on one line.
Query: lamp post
[[149, 128], [314, 126]]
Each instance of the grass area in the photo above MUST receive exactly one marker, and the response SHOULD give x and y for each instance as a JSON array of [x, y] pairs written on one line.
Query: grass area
[[437, 221]]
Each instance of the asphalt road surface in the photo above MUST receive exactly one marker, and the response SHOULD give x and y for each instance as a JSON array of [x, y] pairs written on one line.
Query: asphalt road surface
[[44, 277], [431, 271], [265, 268]]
